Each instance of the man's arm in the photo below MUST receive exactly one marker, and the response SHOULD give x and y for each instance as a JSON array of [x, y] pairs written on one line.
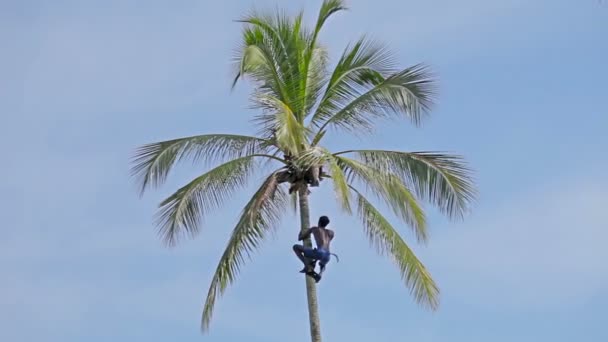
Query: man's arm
[[330, 234], [305, 233]]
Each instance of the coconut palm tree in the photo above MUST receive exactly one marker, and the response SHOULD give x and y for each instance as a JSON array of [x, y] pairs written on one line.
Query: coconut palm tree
[[300, 100]]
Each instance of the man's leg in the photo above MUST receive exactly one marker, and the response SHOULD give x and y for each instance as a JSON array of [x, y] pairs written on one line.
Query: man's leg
[[306, 255], [323, 261], [322, 267]]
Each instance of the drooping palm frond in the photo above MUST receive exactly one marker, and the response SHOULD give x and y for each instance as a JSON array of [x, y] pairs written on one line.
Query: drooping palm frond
[[182, 212], [372, 96], [387, 241], [261, 214], [340, 185], [153, 162], [444, 180], [251, 59], [278, 121], [320, 156], [388, 187]]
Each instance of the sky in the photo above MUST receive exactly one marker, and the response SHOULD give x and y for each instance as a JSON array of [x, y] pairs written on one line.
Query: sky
[[522, 97]]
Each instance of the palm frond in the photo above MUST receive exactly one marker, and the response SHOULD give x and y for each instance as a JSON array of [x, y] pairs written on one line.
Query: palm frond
[[153, 162], [320, 156], [328, 8], [315, 70], [315, 58], [388, 187], [183, 211], [277, 31], [444, 180], [259, 58], [252, 60], [281, 125], [371, 97], [362, 64], [387, 241], [283, 43], [340, 185], [261, 215]]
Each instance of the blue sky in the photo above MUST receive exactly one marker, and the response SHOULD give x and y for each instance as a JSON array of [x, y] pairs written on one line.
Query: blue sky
[[522, 96]]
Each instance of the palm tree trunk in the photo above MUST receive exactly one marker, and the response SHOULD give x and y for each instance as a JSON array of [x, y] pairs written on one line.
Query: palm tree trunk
[[311, 289]]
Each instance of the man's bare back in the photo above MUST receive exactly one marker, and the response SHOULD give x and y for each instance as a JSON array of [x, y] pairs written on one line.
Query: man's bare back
[[323, 237]]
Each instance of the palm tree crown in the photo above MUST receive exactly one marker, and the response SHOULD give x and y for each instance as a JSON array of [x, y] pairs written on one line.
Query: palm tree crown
[[300, 99]]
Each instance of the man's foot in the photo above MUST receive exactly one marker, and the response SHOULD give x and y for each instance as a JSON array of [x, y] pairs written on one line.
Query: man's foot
[[309, 268], [314, 275]]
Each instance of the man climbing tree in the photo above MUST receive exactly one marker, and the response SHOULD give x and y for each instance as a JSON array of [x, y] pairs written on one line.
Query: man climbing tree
[[308, 255], [302, 101]]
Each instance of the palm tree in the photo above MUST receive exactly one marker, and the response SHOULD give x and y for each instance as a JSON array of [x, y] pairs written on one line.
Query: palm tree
[[300, 100]]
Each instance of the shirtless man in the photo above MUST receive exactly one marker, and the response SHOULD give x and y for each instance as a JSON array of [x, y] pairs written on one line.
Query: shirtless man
[[309, 256]]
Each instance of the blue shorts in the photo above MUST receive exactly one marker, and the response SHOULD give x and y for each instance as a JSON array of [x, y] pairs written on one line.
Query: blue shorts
[[317, 254]]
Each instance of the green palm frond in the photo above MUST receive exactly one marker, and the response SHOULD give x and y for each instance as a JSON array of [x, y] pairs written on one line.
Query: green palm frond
[[261, 214], [320, 156], [315, 60], [282, 43], [364, 63], [371, 97], [284, 59], [316, 78], [281, 124], [258, 58], [288, 130], [328, 8], [388, 187], [387, 241], [153, 162], [316, 155], [280, 35], [183, 211], [444, 180], [252, 60], [340, 185], [282, 32]]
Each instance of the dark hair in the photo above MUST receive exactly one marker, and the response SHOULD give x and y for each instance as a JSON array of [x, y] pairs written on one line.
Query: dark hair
[[323, 221]]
